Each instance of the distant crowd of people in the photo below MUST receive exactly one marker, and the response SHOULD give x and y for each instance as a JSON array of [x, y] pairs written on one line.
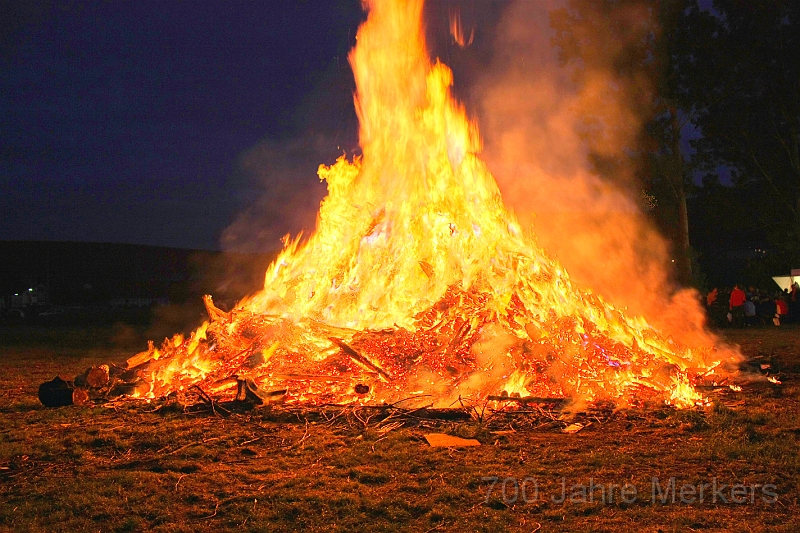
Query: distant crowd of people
[[738, 307]]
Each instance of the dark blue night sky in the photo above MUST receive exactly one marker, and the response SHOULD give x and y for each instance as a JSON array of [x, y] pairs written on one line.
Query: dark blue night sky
[[127, 121]]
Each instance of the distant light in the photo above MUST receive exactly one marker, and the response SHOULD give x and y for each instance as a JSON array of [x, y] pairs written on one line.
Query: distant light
[[30, 290], [16, 294], [673, 260]]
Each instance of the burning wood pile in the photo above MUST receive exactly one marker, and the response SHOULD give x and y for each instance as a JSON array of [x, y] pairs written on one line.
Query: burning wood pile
[[418, 282]]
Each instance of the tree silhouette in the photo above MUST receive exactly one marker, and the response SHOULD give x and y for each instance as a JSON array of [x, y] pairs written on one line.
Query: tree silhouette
[[741, 66]]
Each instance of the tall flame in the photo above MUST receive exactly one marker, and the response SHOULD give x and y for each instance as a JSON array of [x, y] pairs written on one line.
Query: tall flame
[[418, 279]]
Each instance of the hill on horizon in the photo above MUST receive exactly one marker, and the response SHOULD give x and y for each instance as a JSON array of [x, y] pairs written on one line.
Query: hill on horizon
[[93, 273]]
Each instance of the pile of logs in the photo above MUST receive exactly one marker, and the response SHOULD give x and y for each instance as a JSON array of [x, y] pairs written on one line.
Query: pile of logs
[[110, 381]]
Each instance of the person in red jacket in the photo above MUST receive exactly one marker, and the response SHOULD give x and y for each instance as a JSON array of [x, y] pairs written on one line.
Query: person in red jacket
[[781, 310], [736, 306]]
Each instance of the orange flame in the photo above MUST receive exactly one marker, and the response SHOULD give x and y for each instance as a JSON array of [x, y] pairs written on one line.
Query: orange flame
[[418, 280], [457, 30]]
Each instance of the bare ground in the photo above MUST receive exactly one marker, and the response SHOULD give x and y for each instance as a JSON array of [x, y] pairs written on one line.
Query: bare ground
[[734, 466]]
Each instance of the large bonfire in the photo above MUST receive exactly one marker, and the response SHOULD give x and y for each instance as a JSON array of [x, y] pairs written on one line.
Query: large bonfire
[[418, 281]]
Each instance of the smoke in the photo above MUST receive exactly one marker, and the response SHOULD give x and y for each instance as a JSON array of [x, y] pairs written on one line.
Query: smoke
[[285, 192], [278, 183], [282, 194], [540, 147], [277, 176]]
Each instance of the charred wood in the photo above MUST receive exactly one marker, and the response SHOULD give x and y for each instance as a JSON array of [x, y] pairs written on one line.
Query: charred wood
[[528, 399], [59, 393], [98, 376], [138, 387], [360, 359], [249, 391], [142, 357]]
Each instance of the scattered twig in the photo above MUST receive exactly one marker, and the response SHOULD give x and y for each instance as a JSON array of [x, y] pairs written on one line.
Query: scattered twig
[[197, 443], [386, 428], [251, 441], [395, 404], [212, 515], [208, 399], [302, 441], [377, 441], [435, 528]]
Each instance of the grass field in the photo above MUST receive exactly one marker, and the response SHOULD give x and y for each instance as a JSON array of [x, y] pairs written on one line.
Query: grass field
[[734, 466]]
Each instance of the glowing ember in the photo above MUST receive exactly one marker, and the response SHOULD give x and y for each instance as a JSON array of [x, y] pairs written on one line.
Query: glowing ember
[[418, 280]]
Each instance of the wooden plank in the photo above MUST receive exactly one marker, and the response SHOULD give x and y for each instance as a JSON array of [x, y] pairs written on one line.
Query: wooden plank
[[441, 440]]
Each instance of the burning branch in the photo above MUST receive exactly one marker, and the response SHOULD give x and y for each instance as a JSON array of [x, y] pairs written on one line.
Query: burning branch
[[215, 313], [360, 359]]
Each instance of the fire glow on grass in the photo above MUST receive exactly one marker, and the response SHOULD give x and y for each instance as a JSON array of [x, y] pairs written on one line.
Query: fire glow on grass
[[418, 280]]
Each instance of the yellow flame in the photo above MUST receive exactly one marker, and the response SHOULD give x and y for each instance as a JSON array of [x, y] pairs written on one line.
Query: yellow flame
[[418, 277], [457, 30], [683, 395]]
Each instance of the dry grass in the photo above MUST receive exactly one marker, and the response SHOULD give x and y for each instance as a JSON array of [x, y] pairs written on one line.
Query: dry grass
[[136, 468]]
